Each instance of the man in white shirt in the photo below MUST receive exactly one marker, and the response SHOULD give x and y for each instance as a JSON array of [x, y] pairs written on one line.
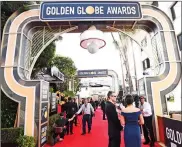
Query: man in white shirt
[[87, 110], [147, 127]]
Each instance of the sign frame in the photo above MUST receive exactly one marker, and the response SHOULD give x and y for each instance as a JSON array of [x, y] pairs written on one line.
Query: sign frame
[[92, 18], [94, 75], [43, 101]]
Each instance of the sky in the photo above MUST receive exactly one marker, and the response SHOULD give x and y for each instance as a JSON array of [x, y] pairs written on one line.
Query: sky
[[105, 58]]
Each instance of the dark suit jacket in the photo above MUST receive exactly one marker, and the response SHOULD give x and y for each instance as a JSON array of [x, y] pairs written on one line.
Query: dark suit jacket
[[103, 105], [70, 109], [114, 126]]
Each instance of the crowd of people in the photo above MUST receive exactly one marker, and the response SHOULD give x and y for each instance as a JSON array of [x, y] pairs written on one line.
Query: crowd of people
[[128, 115], [68, 117]]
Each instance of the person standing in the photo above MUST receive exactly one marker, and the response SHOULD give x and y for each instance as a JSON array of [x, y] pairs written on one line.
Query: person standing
[[87, 109], [96, 104], [69, 114], [147, 127], [131, 117], [93, 105], [136, 100], [114, 126], [75, 110], [103, 104]]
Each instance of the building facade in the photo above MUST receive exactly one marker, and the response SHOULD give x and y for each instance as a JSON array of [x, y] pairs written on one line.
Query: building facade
[[147, 59]]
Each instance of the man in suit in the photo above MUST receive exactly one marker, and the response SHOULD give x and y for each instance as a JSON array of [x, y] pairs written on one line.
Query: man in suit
[[69, 114], [114, 126], [75, 110], [103, 103]]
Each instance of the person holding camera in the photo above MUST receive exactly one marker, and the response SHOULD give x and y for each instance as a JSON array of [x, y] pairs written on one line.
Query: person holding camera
[[60, 127]]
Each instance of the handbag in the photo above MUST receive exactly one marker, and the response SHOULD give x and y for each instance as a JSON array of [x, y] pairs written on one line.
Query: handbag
[[58, 130]]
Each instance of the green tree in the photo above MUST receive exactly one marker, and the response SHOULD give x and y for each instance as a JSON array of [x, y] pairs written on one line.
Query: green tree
[[69, 93], [9, 7], [45, 59], [77, 84], [67, 67]]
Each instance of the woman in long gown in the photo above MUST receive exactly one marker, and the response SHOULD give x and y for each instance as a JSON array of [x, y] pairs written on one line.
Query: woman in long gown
[[131, 117]]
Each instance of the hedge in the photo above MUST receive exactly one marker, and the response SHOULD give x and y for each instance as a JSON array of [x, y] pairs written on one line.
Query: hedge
[[26, 141], [10, 135], [8, 111]]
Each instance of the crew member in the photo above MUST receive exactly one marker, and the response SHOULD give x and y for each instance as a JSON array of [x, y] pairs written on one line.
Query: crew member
[[60, 127]]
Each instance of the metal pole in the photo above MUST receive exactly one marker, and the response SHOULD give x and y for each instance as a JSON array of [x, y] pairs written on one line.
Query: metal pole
[[128, 69], [134, 65]]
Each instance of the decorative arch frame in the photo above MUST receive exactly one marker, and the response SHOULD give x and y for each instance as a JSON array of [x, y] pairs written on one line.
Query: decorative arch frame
[[28, 93]]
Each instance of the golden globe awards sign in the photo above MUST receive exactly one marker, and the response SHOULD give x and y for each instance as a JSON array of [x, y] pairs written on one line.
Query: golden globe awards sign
[[173, 132], [72, 11]]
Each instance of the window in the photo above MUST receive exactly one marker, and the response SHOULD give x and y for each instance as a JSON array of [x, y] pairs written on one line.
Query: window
[[146, 64], [180, 41], [176, 10]]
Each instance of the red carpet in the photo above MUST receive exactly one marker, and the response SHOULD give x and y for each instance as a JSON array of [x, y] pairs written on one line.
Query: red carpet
[[97, 138]]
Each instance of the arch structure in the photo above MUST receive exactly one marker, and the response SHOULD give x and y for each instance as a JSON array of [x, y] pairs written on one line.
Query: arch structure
[[115, 80], [20, 37], [101, 73]]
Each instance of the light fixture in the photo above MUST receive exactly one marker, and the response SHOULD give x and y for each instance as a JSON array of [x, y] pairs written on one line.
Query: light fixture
[[92, 40]]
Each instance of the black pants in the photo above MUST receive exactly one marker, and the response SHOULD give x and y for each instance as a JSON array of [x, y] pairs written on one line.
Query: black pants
[[69, 125], [91, 120], [104, 115], [148, 129], [114, 141], [61, 135], [86, 118]]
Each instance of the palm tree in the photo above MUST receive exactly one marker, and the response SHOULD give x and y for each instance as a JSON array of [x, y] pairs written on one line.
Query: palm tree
[[122, 48]]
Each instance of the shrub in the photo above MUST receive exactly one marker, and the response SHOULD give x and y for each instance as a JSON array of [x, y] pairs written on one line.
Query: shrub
[[10, 135], [8, 111], [52, 120], [26, 141]]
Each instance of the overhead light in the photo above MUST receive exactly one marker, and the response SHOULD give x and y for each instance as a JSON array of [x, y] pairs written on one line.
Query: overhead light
[[92, 40]]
